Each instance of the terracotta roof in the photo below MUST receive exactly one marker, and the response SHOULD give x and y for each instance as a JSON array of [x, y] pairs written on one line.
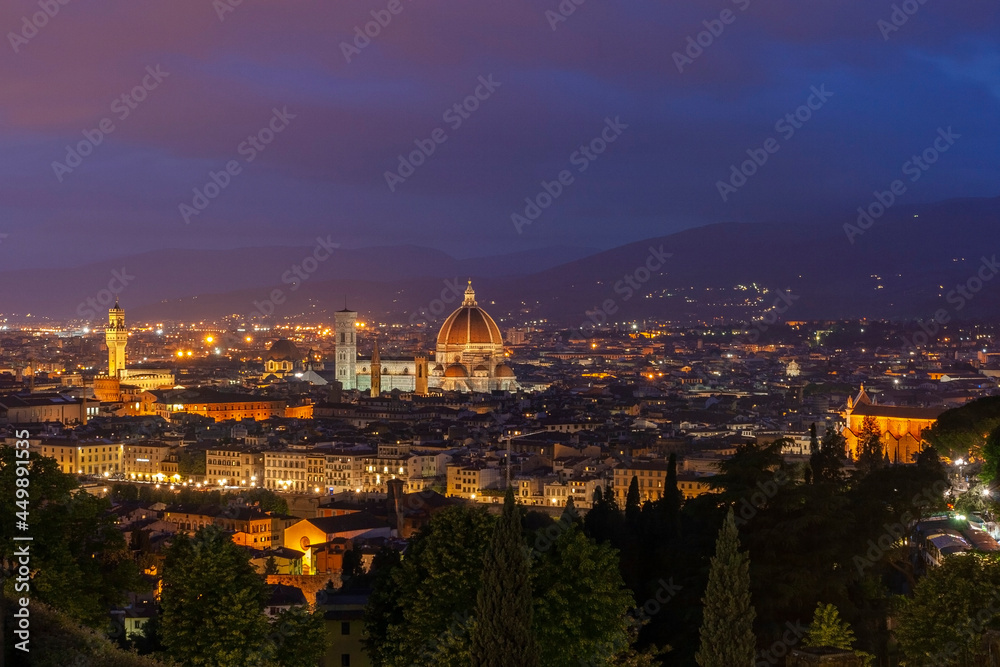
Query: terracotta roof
[[284, 349], [897, 412], [469, 324], [331, 525], [456, 371]]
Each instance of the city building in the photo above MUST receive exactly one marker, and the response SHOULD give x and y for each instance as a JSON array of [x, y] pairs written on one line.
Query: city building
[[234, 467], [144, 460], [222, 406], [289, 470], [900, 426], [651, 476], [79, 457], [469, 356], [42, 407], [109, 387], [469, 481]]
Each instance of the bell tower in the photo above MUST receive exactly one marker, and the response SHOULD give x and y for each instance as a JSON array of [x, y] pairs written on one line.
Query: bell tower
[[420, 388], [376, 372], [345, 329], [116, 338]]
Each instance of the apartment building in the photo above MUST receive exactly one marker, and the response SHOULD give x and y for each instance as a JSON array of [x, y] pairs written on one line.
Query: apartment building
[[469, 481], [234, 466]]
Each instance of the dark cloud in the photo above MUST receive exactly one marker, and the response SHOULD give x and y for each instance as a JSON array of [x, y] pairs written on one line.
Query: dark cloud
[[325, 172]]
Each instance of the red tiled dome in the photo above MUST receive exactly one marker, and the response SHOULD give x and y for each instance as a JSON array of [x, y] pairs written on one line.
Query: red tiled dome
[[470, 324]]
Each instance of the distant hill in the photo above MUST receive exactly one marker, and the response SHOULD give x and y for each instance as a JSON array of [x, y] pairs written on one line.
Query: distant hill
[[170, 275], [902, 266]]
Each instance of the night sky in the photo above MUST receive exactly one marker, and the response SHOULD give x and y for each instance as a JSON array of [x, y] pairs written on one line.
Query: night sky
[[549, 91]]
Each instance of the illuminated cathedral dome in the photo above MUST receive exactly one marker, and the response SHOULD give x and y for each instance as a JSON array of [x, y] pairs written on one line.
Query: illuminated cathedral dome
[[470, 324], [284, 349], [470, 339], [283, 358]]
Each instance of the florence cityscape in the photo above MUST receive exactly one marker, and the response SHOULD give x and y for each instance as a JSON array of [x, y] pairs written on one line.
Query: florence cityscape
[[543, 333]]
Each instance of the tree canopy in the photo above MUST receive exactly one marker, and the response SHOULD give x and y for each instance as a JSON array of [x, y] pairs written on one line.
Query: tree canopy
[[80, 561], [423, 609], [212, 602], [952, 608], [962, 431]]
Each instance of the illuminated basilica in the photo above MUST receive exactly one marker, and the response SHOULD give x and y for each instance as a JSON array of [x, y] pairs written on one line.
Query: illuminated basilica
[[469, 357], [900, 427]]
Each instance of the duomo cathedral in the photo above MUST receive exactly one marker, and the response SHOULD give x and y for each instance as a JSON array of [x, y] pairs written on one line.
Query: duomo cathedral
[[469, 356]]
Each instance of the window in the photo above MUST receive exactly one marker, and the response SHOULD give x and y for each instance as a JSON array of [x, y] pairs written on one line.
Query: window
[[345, 660], [345, 628]]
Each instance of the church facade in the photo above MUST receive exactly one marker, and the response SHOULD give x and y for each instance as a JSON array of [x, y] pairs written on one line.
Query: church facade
[[469, 357], [900, 427]]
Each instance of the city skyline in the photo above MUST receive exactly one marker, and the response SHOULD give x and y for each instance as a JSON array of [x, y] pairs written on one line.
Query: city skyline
[[528, 333]]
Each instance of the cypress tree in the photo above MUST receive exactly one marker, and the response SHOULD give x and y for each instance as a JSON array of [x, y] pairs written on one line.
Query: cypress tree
[[502, 635], [672, 496], [633, 504], [570, 514], [727, 638]]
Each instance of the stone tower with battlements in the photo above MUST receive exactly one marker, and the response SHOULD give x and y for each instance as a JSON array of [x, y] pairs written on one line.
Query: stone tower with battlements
[[116, 338]]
